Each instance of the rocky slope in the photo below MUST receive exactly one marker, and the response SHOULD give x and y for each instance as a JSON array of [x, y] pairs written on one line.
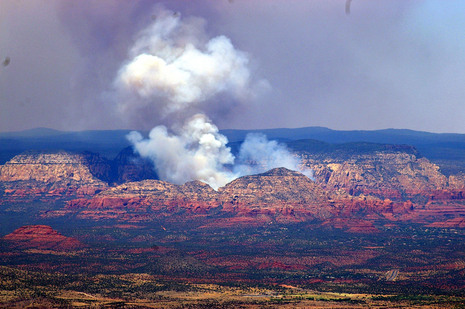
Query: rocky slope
[[277, 185], [387, 182], [41, 237], [48, 167], [363, 182], [64, 170], [128, 166], [387, 173], [53, 173], [139, 201], [279, 195]]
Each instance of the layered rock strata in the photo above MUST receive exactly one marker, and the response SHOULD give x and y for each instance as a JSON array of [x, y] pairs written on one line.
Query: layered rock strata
[[279, 195], [393, 184], [53, 174], [389, 174]]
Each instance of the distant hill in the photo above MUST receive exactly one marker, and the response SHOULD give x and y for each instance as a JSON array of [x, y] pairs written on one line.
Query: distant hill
[[386, 136], [106, 142], [445, 149]]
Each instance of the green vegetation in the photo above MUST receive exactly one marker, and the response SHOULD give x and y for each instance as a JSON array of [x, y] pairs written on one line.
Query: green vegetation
[[276, 265], [177, 262]]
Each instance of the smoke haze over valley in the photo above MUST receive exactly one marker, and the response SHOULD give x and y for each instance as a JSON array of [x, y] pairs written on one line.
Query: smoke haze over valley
[[385, 64]]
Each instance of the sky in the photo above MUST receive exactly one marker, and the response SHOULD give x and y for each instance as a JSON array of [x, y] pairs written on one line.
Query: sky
[[380, 64]]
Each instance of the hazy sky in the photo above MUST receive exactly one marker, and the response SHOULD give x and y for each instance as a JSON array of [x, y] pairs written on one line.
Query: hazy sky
[[387, 64]]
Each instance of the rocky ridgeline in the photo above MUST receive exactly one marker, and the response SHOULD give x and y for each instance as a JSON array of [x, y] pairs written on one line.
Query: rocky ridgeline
[[279, 195], [58, 173], [51, 173], [393, 184], [389, 174], [278, 185], [48, 167]]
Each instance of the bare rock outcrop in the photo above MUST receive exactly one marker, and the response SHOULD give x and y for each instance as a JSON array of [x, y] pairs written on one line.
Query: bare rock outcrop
[[280, 192], [134, 199], [53, 173], [393, 184], [395, 175], [130, 167], [41, 237], [47, 167]]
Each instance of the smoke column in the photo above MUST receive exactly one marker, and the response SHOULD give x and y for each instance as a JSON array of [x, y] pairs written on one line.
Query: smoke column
[[176, 72], [257, 154], [173, 69], [197, 151]]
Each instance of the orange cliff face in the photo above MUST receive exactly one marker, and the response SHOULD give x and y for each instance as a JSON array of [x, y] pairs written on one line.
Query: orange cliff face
[[52, 174], [279, 195], [392, 185], [134, 201], [393, 174]]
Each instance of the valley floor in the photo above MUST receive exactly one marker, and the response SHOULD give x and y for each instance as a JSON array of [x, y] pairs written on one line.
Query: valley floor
[[135, 292], [180, 265]]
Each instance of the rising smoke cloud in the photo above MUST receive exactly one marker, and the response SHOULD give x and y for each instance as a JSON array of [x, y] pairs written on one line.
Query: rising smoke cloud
[[257, 154], [196, 151], [177, 72]]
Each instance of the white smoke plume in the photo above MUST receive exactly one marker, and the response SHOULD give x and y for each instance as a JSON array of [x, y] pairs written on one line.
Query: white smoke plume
[[174, 69], [176, 72], [257, 155], [196, 151]]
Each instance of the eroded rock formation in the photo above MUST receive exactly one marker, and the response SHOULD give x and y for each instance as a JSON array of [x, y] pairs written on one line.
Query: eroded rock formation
[[392, 183], [393, 174], [52, 174], [41, 237]]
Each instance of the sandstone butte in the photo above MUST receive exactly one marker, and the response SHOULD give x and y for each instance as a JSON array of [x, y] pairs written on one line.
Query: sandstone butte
[[52, 174], [389, 174], [278, 191], [392, 185], [41, 237], [279, 195]]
